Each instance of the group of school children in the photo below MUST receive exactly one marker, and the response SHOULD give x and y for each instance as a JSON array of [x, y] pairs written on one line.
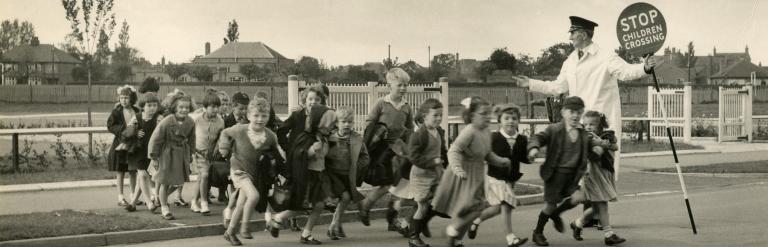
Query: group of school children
[[315, 161]]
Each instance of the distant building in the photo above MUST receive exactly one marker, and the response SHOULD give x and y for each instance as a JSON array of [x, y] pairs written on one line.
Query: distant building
[[36, 64], [226, 61], [672, 69], [741, 73]]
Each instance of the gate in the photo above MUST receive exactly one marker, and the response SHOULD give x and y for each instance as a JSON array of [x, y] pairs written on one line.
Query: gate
[[677, 103], [735, 114], [361, 97]]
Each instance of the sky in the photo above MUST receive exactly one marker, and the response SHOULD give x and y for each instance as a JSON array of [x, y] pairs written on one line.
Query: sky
[[341, 32]]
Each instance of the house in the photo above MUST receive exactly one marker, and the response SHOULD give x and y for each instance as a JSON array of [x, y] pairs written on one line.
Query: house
[[140, 73], [226, 61], [741, 73], [702, 69], [36, 64]]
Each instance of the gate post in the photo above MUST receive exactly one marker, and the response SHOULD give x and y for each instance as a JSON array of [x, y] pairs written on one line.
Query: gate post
[[748, 112], [293, 92], [373, 95], [444, 99], [720, 117], [687, 100]]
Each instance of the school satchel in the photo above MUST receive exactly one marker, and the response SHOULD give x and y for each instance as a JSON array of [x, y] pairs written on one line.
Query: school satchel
[[379, 171], [554, 104], [281, 194], [218, 174]]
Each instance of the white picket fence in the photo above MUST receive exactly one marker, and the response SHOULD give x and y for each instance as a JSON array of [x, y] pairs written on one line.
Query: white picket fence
[[361, 97]]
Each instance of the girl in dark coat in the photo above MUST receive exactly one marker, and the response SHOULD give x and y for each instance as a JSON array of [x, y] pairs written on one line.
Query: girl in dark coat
[[122, 123]]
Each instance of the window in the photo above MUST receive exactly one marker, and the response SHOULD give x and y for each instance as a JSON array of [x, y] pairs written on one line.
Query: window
[[236, 79]]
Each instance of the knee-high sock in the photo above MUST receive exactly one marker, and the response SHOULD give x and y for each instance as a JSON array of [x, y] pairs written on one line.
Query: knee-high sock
[[543, 218], [416, 227]]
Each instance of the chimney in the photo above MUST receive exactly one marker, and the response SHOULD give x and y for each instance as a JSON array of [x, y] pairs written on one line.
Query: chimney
[[162, 61], [714, 51], [207, 48], [746, 50], [35, 41]]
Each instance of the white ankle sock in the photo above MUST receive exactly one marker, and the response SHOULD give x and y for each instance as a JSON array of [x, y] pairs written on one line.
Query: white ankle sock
[[451, 231], [608, 231], [477, 221], [511, 238], [579, 223], [305, 233]]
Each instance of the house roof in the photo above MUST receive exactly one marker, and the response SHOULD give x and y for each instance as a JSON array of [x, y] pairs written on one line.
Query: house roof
[[741, 69], [245, 50], [43, 53]]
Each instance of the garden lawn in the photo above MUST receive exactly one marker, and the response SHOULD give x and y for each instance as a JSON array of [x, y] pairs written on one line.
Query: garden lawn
[[653, 146], [742, 167], [69, 222]]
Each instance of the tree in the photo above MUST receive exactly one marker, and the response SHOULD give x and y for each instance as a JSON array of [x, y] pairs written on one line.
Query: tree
[[552, 58], [624, 54], [176, 70], [524, 65], [232, 33], [689, 60], [357, 74], [201, 72], [443, 64], [503, 59], [255, 72], [123, 55], [310, 68], [389, 63], [89, 26], [13, 34], [485, 69]]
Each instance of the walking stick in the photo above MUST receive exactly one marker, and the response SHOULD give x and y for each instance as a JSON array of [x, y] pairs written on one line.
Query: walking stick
[[674, 152]]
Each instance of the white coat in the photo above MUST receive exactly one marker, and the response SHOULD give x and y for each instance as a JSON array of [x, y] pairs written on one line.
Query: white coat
[[594, 78]]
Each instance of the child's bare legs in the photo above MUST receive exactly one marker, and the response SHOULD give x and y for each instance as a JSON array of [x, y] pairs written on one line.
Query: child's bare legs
[[460, 225], [402, 220], [201, 195], [164, 191], [340, 208], [236, 220], [246, 202], [317, 208], [364, 206], [372, 197], [132, 181], [119, 181], [143, 188]]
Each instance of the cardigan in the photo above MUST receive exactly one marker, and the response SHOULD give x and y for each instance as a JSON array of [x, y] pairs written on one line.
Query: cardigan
[[554, 137], [418, 145], [244, 156], [516, 154]]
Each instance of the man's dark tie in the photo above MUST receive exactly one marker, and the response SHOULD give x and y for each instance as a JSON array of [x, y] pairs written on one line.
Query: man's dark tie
[[581, 54]]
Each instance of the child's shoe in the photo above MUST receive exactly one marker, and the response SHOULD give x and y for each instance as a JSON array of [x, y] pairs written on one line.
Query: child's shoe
[[614, 240]]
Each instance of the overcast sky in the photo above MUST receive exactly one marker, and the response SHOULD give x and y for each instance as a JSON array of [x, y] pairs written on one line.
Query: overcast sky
[[344, 32]]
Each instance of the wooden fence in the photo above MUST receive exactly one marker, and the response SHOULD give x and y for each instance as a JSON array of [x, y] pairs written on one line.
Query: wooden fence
[[630, 94]]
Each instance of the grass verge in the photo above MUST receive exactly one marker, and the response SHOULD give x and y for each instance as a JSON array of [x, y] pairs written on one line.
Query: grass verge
[[633, 147], [742, 167], [69, 222], [56, 175]]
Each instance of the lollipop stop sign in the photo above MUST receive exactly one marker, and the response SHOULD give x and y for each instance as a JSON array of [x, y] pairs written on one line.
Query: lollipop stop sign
[[641, 29]]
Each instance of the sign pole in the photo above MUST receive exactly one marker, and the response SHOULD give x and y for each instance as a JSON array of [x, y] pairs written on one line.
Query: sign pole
[[641, 30], [674, 151]]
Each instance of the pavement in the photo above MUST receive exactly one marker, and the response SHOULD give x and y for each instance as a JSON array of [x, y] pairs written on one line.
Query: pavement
[[728, 216]]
